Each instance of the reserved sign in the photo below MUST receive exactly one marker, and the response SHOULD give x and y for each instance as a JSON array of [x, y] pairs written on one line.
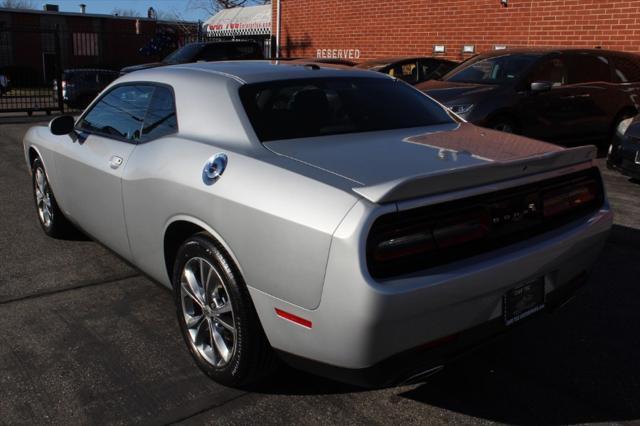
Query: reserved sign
[[338, 53]]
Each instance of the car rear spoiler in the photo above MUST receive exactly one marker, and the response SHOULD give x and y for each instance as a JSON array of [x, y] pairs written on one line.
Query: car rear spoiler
[[470, 176]]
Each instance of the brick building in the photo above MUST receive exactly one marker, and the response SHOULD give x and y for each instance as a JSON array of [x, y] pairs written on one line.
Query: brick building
[[365, 29], [35, 44]]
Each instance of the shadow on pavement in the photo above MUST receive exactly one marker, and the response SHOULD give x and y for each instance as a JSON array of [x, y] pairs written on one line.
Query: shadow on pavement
[[578, 365]]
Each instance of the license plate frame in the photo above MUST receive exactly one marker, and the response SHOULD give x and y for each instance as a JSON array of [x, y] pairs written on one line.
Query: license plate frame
[[523, 301]]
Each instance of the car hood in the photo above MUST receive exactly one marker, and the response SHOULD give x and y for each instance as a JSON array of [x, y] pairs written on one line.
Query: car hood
[[133, 68], [445, 91], [383, 165]]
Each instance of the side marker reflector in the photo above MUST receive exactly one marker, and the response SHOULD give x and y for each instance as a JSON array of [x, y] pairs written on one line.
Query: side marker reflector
[[293, 318]]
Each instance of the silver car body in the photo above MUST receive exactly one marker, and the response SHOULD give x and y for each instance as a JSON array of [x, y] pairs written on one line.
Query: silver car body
[[294, 215]]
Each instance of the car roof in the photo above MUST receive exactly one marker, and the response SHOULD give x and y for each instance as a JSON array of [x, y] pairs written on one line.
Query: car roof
[[546, 51], [72, 70], [391, 60], [259, 71]]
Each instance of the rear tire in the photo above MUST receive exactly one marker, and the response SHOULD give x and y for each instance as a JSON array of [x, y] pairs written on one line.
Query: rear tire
[[216, 316], [50, 217]]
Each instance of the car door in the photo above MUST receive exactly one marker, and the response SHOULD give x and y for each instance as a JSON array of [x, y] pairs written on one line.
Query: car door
[[91, 166], [547, 115], [595, 100]]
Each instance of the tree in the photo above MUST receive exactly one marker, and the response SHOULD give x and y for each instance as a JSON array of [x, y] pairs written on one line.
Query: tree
[[118, 11], [17, 4], [212, 7]]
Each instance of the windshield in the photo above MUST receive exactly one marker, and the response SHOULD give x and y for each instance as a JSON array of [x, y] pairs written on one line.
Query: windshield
[[183, 55], [492, 70], [330, 106]]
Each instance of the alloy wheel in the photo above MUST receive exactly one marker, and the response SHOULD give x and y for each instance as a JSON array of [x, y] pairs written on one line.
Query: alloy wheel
[[208, 314], [43, 198]]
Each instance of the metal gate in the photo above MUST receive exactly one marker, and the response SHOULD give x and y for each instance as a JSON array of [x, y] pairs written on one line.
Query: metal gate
[[29, 63]]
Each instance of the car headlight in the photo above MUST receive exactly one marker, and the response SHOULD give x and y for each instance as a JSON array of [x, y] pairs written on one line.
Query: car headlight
[[461, 109], [623, 126]]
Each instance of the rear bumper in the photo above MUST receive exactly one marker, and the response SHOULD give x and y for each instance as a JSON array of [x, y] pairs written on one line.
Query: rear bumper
[[430, 358], [361, 324]]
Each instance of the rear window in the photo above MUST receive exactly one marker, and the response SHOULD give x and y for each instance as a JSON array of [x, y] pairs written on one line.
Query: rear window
[[330, 106]]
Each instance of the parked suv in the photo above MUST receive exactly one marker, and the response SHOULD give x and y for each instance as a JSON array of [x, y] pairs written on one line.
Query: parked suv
[[565, 96], [80, 86], [206, 51]]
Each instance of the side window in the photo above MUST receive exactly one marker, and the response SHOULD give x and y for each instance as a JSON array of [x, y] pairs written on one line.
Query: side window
[[213, 52], [119, 113], [433, 69], [626, 69], [161, 117], [550, 69], [244, 51], [588, 68], [407, 71]]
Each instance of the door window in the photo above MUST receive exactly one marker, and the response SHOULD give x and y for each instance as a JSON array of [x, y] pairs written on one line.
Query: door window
[[588, 68], [161, 117], [407, 71], [120, 113], [553, 70]]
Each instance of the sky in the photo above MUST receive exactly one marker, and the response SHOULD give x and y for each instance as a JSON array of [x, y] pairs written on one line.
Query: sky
[[186, 9]]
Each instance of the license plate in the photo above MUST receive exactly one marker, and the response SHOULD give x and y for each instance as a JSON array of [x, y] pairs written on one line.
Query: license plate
[[523, 301]]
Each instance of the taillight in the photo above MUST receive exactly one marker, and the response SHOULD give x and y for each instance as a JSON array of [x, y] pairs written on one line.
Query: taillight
[[462, 228], [403, 242], [563, 200], [415, 241]]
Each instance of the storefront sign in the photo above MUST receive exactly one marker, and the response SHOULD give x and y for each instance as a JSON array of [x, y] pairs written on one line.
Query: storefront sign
[[338, 53]]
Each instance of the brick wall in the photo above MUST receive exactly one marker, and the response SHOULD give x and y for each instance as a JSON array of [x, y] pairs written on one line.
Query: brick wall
[[380, 28]]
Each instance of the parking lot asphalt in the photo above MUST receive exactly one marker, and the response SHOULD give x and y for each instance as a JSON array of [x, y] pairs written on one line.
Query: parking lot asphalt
[[85, 338]]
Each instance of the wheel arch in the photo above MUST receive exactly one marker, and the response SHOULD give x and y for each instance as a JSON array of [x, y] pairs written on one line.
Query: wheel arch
[[503, 113], [32, 154], [179, 229], [624, 111]]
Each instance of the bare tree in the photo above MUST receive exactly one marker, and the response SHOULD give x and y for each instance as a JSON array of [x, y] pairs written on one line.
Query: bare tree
[[18, 4], [214, 6], [118, 11]]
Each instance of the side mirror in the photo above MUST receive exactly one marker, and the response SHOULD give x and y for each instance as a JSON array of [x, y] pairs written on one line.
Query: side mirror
[[62, 125], [541, 86]]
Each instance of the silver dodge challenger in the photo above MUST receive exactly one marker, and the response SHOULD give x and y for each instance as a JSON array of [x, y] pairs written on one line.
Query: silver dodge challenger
[[339, 220]]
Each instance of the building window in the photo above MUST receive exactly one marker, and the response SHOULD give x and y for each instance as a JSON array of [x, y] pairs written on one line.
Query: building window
[[85, 44]]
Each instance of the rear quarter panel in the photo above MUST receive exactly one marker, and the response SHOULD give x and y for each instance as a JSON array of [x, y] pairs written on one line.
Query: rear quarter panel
[[274, 216]]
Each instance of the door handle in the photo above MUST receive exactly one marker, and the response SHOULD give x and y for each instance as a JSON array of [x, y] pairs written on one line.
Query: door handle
[[115, 162], [583, 95]]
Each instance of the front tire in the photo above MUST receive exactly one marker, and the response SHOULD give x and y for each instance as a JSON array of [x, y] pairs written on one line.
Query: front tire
[[216, 316], [50, 217]]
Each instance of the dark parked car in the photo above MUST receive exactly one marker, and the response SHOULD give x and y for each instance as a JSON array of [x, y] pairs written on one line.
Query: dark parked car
[[624, 151], [566, 96], [206, 51], [412, 70], [80, 86]]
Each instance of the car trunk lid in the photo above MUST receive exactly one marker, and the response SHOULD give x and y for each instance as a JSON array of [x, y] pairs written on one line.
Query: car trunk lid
[[396, 165]]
